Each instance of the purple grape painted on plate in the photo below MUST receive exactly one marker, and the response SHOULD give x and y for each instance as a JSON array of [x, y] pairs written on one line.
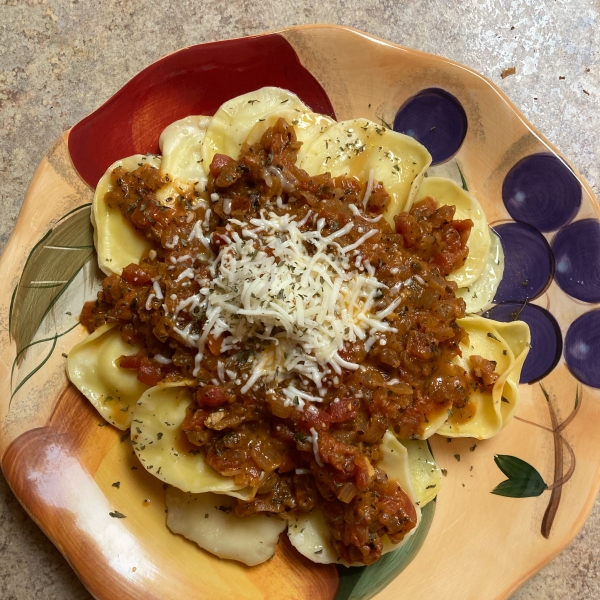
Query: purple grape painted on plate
[[529, 264], [582, 348], [546, 338], [435, 118], [541, 190], [577, 252]]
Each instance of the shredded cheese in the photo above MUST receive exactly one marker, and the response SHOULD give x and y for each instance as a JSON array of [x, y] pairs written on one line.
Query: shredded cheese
[[315, 444], [298, 294], [163, 360], [369, 188]]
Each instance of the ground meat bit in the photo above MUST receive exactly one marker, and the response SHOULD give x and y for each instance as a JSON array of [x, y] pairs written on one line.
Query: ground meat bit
[[324, 457], [483, 372], [358, 526], [433, 236]]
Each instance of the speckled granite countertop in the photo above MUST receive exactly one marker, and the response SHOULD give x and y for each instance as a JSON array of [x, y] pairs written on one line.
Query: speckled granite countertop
[[61, 59]]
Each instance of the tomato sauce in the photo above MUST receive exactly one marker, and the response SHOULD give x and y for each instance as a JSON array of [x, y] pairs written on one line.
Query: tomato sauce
[[325, 456]]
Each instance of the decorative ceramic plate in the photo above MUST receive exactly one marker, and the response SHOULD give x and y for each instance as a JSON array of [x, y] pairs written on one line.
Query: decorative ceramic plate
[[508, 505]]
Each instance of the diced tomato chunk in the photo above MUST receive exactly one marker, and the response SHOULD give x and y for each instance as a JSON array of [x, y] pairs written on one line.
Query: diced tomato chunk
[[130, 362], [219, 162], [464, 229], [241, 204], [194, 420], [211, 395], [338, 454], [219, 238], [343, 410], [135, 275], [363, 472], [319, 419], [150, 372]]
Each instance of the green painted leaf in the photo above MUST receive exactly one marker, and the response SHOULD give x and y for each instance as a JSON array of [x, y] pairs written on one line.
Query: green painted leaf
[[384, 122], [462, 178], [362, 583], [523, 481], [50, 268], [33, 371], [53, 339], [546, 395]]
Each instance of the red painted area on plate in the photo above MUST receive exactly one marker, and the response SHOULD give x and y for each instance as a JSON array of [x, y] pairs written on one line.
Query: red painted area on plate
[[195, 80]]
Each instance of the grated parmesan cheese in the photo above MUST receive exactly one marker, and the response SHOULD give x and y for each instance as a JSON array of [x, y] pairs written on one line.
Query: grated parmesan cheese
[[187, 274], [315, 445], [157, 291], [163, 360], [171, 244], [298, 295]]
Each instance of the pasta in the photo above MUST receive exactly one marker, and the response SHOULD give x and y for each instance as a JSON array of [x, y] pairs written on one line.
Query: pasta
[[281, 327], [488, 411], [181, 146], [309, 533], [245, 117], [118, 244], [447, 192], [360, 147], [161, 445], [208, 519], [93, 369]]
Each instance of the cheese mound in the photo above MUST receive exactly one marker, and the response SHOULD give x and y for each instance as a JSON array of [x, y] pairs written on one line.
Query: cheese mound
[[299, 294]]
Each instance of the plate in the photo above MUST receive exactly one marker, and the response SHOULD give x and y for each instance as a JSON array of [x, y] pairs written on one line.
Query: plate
[[508, 505]]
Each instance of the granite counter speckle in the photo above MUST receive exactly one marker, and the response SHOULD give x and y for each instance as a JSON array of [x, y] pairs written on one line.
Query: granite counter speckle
[[61, 59]]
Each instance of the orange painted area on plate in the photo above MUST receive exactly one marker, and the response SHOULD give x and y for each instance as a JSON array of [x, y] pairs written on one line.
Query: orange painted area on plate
[[64, 474]]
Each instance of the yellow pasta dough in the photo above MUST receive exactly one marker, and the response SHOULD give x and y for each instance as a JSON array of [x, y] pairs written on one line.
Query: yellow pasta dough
[[425, 473], [370, 152], [181, 148], [507, 344], [117, 241], [159, 443], [307, 125], [209, 521], [235, 119], [479, 294], [446, 192], [92, 366]]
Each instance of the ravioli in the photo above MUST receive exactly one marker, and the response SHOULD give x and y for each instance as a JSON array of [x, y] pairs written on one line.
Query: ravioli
[[236, 118], [363, 149], [434, 422], [162, 446], [425, 474], [181, 148], [209, 521], [479, 295], [93, 369], [446, 192], [307, 125], [117, 241], [488, 412], [309, 533]]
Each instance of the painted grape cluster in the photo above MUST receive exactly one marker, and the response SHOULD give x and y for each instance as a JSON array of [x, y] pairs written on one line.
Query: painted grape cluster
[[542, 243]]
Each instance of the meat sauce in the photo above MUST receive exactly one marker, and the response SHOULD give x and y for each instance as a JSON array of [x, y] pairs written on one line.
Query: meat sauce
[[325, 456]]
